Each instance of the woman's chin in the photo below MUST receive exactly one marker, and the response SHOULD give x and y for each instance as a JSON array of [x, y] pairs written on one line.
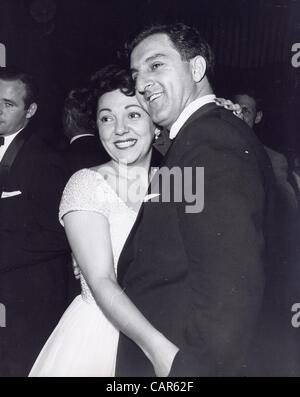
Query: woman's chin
[[130, 160]]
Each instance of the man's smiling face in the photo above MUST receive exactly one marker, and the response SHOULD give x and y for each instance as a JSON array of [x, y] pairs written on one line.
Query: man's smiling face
[[164, 81]]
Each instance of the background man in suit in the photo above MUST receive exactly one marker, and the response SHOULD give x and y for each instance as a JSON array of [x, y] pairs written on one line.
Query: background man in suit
[[85, 149], [283, 275], [252, 109], [198, 277], [34, 253]]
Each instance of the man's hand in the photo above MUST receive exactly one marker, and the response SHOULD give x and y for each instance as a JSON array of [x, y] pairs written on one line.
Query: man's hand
[[76, 269], [234, 107]]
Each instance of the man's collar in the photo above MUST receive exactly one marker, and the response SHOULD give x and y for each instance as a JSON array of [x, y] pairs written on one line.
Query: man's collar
[[79, 136], [188, 111], [9, 138], [15, 133]]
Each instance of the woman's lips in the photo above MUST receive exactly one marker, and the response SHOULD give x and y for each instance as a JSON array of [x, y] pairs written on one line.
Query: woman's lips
[[125, 144]]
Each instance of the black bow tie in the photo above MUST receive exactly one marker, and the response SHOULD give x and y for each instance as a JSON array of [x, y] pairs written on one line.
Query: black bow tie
[[1, 140], [163, 142]]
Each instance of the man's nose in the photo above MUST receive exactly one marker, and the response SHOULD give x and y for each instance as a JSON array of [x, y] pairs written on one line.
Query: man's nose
[[143, 82]]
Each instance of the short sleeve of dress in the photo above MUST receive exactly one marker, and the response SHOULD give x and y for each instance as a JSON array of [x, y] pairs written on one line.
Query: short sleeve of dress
[[86, 190]]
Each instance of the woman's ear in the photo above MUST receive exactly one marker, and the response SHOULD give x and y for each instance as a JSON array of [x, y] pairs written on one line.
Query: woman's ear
[[198, 65]]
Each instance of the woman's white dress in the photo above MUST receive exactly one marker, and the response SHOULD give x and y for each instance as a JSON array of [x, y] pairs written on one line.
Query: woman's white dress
[[84, 343]]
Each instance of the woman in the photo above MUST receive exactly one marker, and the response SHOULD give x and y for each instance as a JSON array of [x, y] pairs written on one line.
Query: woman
[[98, 209]]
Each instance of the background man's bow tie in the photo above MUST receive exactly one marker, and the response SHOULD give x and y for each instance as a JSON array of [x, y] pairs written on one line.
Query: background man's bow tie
[[1, 140]]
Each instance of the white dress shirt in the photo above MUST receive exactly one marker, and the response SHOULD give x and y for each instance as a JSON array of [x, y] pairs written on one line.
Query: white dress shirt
[[7, 141], [188, 111]]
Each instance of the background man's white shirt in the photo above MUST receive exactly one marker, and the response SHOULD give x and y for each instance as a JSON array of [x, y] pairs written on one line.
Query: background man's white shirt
[[7, 141]]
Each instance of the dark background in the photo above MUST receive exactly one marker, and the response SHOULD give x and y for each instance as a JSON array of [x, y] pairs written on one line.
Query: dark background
[[63, 41]]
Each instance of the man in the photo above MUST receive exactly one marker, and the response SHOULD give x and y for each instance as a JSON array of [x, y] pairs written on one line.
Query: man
[[85, 149], [282, 289], [197, 274], [251, 105], [34, 254]]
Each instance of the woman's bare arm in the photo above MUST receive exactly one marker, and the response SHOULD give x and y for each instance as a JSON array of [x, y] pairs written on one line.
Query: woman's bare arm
[[89, 236]]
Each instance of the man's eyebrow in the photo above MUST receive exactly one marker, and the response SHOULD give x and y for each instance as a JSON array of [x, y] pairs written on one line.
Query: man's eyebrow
[[153, 57], [149, 59], [10, 101]]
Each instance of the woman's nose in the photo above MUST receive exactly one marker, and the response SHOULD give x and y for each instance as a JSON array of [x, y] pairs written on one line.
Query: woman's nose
[[121, 127]]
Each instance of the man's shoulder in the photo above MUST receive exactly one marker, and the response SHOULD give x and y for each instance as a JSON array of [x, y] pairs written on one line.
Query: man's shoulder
[[40, 148], [277, 157], [37, 155], [218, 137], [85, 152], [217, 126]]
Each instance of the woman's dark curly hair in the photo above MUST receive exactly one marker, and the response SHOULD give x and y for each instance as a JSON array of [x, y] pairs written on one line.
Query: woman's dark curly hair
[[107, 79]]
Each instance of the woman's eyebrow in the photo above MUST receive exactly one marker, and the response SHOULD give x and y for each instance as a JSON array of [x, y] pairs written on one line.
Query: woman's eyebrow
[[104, 109], [133, 106]]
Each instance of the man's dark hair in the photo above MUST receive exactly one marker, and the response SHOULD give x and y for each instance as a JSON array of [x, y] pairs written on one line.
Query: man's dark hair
[[107, 79], [10, 74], [252, 93], [186, 39], [77, 116]]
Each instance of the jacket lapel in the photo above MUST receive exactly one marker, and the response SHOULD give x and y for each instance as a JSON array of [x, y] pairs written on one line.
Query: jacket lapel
[[128, 253], [11, 154]]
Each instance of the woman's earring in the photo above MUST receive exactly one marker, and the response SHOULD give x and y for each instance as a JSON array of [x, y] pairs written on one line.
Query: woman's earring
[[157, 133]]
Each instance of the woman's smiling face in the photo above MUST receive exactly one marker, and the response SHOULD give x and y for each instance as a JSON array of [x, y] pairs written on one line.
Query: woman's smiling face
[[126, 130]]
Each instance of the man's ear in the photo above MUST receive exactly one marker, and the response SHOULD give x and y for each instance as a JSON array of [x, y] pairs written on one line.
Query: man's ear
[[31, 110], [198, 65], [259, 116]]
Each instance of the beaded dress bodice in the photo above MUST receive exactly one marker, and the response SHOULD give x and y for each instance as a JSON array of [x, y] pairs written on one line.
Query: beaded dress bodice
[[87, 190]]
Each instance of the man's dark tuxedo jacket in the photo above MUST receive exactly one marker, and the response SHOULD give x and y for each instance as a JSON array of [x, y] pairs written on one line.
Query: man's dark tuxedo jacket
[[34, 255], [199, 277], [85, 152]]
